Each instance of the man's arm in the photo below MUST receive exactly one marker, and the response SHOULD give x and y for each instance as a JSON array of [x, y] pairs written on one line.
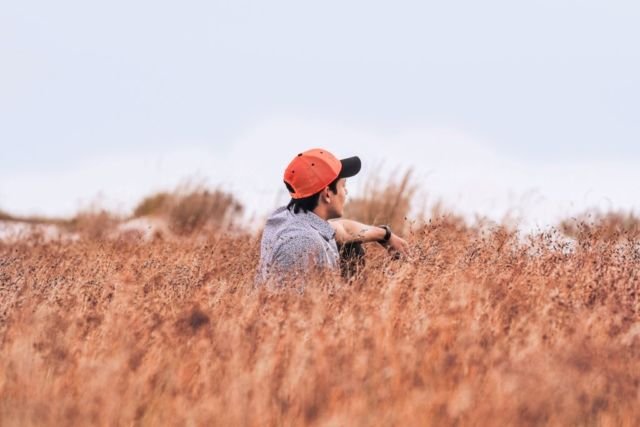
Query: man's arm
[[348, 231]]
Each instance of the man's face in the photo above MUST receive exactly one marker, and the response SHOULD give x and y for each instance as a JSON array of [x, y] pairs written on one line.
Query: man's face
[[336, 203]]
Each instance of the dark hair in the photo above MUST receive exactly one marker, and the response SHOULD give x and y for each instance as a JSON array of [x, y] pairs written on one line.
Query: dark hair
[[309, 203]]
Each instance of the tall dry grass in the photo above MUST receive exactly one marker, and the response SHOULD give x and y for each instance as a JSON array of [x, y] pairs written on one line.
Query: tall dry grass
[[480, 327], [93, 223], [384, 202], [614, 226], [192, 207], [4, 216]]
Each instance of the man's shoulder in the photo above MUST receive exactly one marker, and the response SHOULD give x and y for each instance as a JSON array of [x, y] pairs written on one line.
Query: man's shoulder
[[290, 233]]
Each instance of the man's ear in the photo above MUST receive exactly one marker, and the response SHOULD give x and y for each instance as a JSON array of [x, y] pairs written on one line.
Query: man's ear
[[325, 194]]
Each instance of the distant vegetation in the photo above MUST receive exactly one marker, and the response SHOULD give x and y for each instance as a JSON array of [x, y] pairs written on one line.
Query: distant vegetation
[[381, 202], [188, 209], [192, 208], [93, 223], [5, 216], [602, 226]]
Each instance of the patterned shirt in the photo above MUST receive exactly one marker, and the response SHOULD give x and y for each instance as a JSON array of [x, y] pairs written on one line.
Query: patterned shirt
[[296, 243]]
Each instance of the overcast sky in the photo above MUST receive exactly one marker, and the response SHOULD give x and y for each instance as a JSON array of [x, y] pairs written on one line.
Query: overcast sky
[[500, 106]]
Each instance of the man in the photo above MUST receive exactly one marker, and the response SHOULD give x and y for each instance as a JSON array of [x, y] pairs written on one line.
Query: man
[[305, 235]]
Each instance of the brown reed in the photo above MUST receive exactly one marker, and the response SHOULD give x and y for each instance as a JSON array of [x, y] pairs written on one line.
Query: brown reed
[[192, 207]]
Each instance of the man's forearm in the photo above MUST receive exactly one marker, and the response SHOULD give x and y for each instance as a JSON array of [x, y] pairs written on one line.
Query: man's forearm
[[354, 231], [348, 231]]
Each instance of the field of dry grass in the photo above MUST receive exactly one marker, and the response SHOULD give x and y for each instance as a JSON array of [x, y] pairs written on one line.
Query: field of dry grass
[[481, 327]]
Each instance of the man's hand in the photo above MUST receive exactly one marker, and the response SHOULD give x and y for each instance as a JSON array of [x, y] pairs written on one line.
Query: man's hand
[[398, 244]]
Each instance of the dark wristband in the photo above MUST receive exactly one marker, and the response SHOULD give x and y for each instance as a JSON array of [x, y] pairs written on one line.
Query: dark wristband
[[387, 234]]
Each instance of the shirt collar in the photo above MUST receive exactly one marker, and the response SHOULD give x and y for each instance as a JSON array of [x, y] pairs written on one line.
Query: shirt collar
[[323, 227]]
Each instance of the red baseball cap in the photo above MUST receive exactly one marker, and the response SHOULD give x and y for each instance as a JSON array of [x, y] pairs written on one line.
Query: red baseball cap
[[310, 172]]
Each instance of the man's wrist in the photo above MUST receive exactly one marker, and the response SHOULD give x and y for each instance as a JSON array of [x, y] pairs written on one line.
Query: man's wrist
[[387, 234]]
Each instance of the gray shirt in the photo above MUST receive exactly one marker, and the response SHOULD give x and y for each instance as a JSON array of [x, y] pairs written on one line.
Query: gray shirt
[[295, 243]]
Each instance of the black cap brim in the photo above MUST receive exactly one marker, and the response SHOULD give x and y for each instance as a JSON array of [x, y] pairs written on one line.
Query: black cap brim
[[350, 167]]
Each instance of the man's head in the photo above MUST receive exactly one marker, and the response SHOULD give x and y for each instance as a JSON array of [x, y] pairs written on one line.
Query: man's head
[[316, 180]]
